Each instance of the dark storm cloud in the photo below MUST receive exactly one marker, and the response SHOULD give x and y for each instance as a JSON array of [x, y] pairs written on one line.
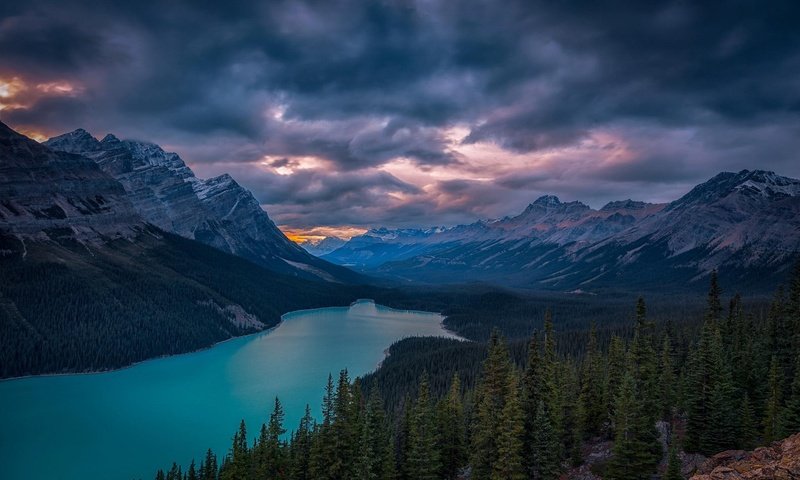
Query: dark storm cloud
[[685, 88]]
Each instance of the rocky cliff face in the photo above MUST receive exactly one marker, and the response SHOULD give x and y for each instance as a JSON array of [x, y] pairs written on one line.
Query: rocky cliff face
[[779, 461], [48, 195], [217, 211]]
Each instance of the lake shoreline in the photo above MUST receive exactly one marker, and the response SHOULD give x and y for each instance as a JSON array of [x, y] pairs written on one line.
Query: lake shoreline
[[216, 344]]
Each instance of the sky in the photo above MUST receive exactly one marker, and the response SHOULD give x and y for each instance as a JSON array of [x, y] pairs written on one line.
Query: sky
[[344, 115]]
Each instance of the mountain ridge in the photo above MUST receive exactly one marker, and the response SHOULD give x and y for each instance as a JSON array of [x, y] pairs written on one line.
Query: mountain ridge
[[735, 220], [217, 211]]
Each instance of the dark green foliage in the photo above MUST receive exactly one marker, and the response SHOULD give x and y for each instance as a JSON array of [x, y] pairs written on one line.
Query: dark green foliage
[[452, 432], [544, 446], [423, 455], [509, 464], [633, 457], [491, 397], [673, 466]]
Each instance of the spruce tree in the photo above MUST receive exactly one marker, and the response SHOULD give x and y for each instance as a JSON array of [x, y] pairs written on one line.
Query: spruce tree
[[301, 447], [191, 474], [423, 459], [592, 413], [545, 446], [491, 396], [790, 419], [673, 466], [748, 431], [532, 385], [552, 392], [343, 430], [616, 370], [636, 450], [667, 381], [238, 461], [710, 396], [509, 464], [772, 418], [452, 434], [374, 457]]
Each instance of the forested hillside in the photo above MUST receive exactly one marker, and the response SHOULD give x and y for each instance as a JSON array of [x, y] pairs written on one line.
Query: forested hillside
[[730, 379], [75, 308]]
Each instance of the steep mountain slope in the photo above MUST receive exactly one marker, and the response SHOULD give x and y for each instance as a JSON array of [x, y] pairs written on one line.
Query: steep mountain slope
[[54, 195], [746, 224], [218, 212], [87, 284]]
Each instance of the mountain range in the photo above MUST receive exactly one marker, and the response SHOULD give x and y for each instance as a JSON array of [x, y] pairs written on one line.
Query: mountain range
[[217, 212], [745, 224], [122, 255]]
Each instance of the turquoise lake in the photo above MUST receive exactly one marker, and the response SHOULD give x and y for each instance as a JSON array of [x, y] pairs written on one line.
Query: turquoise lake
[[128, 423]]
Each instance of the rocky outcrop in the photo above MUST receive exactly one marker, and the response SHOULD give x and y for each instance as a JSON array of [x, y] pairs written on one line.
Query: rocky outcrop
[[779, 461]]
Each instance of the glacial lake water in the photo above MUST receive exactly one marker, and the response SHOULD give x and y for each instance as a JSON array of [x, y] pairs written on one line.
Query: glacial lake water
[[127, 423]]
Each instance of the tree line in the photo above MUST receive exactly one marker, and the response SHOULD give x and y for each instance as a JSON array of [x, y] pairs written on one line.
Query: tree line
[[735, 384]]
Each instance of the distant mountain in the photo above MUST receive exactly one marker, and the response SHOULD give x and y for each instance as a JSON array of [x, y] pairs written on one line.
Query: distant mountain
[[321, 247], [218, 212], [88, 283], [746, 224]]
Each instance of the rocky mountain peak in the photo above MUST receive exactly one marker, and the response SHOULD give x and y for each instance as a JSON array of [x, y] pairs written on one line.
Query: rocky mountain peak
[[76, 141], [750, 183], [547, 201], [110, 138]]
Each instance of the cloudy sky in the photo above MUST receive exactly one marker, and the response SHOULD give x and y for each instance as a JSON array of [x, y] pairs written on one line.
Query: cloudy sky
[[351, 114]]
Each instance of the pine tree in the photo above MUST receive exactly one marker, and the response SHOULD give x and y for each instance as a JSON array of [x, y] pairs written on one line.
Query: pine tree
[[191, 474], [343, 429], [374, 459], [545, 446], [790, 419], [491, 396], [616, 370], [423, 460], [273, 463], [636, 450], [238, 462], [509, 465], [591, 403], [551, 383], [714, 312], [208, 467], [673, 466], [772, 424], [452, 433], [710, 395], [747, 425], [532, 385], [667, 381], [323, 445], [301, 447]]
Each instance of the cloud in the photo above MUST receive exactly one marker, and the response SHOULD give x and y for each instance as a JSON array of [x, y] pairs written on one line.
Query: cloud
[[429, 111]]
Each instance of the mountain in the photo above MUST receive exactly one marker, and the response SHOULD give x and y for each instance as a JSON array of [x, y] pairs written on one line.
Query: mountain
[[218, 211], [377, 246], [321, 247], [88, 283], [59, 196], [746, 224]]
